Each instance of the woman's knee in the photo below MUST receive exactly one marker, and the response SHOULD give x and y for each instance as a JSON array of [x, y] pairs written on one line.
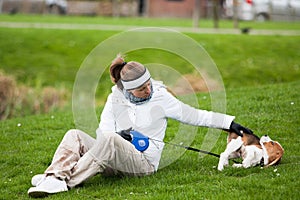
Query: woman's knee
[[108, 135], [108, 139], [76, 135], [72, 133]]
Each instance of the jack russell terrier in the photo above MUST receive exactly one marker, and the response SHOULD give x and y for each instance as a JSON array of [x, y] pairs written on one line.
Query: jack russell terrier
[[252, 150]]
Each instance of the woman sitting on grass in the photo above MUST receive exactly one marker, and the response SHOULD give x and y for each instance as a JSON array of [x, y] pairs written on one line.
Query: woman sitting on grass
[[137, 102]]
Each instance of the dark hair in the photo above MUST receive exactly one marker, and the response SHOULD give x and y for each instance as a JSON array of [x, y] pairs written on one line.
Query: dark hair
[[119, 69], [115, 70]]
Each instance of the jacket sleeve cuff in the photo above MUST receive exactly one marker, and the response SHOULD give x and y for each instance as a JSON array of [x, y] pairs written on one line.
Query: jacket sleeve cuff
[[221, 121], [228, 120]]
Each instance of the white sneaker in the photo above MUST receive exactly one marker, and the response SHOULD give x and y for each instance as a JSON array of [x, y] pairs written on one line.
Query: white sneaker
[[49, 185], [37, 179]]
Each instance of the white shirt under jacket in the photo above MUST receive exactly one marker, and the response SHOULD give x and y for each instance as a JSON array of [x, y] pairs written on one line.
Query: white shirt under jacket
[[151, 118]]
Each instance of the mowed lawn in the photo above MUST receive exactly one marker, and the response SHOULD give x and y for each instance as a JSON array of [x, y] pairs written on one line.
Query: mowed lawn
[[27, 146], [261, 75]]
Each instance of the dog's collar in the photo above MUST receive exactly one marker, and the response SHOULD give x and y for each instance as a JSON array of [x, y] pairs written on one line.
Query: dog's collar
[[265, 157]]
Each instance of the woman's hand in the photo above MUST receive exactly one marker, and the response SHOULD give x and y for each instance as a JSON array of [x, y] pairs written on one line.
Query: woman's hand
[[126, 134]]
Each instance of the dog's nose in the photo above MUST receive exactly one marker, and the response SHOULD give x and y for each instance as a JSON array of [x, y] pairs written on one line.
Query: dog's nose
[[266, 135]]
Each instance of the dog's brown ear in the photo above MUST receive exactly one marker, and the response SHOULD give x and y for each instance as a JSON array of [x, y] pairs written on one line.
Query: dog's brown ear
[[275, 159], [275, 162]]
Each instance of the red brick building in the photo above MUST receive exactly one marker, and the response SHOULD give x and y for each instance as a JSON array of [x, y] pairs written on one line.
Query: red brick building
[[148, 8], [174, 8]]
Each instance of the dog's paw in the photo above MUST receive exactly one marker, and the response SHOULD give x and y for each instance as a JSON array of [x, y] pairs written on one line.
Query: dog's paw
[[223, 161], [220, 167], [237, 165]]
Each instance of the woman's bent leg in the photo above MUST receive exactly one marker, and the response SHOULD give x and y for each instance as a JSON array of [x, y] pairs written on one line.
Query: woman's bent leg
[[110, 153], [72, 147]]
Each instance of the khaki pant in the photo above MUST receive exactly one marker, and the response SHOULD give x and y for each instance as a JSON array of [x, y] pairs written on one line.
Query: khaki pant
[[79, 157]]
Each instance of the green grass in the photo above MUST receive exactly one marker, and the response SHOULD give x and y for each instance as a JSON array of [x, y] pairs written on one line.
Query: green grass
[[43, 56], [28, 149], [261, 76], [40, 57]]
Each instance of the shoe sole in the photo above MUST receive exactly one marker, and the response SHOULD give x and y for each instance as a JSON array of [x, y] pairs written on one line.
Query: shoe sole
[[38, 194]]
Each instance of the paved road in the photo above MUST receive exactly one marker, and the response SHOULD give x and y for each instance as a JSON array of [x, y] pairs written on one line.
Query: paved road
[[124, 27]]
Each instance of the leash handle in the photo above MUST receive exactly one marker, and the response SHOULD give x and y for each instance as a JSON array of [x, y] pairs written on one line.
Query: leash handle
[[141, 143]]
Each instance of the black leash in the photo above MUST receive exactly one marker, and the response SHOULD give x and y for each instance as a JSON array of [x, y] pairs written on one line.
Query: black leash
[[188, 148], [191, 149], [202, 151]]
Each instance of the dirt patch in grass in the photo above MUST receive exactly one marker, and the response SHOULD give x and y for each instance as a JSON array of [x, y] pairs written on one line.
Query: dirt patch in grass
[[20, 100], [191, 83]]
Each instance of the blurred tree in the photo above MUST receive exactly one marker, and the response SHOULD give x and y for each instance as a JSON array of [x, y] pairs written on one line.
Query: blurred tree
[[235, 14], [196, 14], [216, 13], [115, 8]]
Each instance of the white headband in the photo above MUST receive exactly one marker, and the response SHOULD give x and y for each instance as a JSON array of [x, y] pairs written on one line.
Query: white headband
[[133, 84]]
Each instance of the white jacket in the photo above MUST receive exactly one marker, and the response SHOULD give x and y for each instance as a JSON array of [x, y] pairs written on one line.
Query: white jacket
[[151, 118]]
